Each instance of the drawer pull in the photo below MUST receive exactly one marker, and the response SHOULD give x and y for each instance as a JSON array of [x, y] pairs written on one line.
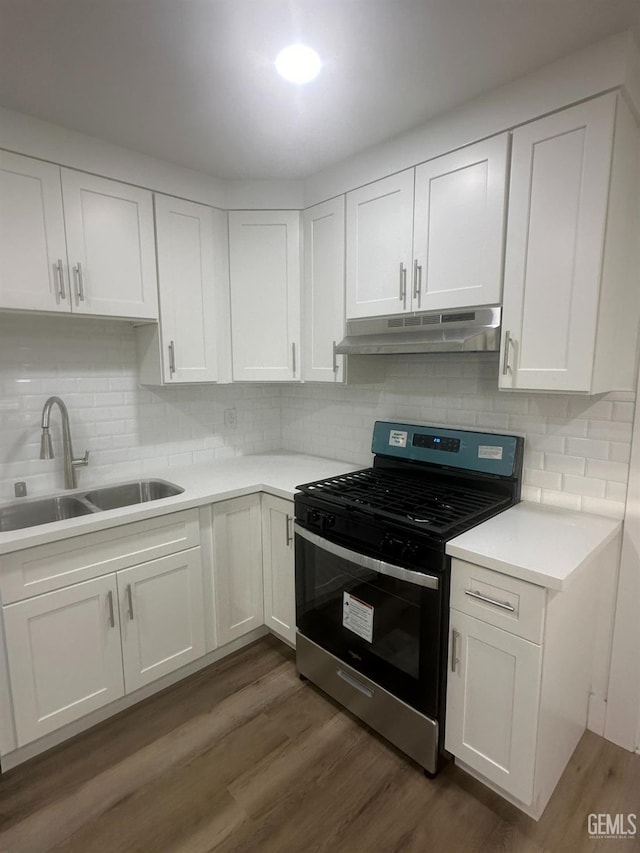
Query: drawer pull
[[353, 682], [503, 604]]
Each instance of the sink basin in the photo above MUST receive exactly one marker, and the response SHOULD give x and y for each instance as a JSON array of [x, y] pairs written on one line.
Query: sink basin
[[127, 494], [31, 513]]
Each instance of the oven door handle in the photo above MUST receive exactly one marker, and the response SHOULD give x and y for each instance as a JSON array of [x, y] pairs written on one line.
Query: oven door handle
[[379, 566]]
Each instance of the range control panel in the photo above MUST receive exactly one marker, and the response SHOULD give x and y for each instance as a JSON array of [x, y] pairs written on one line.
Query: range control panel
[[489, 453]]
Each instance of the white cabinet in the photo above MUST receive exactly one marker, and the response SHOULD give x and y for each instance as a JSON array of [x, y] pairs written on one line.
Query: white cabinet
[[264, 269], [32, 241], [432, 246], [75, 242], [278, 567], [323, 291], [519, 679], [237, 567], [570, 291], [64, 655], [78, 646], [110, 246], [492, 703], [192, 342], [379, 246], [162, 616], [458, 236]]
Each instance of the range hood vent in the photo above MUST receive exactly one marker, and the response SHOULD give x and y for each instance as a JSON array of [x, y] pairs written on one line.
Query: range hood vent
[[477, 330]]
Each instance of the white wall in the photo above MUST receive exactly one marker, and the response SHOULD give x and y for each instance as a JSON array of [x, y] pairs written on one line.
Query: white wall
[[129, 430]]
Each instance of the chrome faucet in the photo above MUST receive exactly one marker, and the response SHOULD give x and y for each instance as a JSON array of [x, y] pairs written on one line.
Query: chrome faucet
[[46, 447]]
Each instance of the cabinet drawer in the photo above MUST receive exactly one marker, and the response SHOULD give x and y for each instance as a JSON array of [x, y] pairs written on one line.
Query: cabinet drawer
[[508, 603], [79, 558]]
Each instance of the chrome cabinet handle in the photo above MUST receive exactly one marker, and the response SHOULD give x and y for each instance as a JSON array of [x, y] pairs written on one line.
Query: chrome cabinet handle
[[172, 357], [455, 660], [293, 357], [403, 284], [478, 595], [79, 281], [508, 342], [289, 532], [60, 272], [335, 358], [112, 617], [130, 601], [417, 281]]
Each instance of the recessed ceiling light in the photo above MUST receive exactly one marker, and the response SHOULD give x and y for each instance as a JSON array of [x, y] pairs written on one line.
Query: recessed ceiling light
[[298, 63]]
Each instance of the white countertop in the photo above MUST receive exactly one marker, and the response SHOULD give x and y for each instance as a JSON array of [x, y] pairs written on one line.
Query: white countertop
[[545, 545], [275, 473]]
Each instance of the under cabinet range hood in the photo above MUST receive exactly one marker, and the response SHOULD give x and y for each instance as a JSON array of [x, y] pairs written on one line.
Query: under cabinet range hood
[[468, 330]]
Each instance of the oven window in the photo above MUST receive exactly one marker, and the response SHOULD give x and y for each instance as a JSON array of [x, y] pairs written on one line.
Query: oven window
[[386, 628]]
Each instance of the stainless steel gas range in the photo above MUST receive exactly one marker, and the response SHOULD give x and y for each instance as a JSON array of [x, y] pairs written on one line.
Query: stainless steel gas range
[[372, 576]]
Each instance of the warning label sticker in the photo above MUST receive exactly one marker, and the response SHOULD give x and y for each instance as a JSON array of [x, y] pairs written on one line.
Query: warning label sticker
[[489, 451], [357, 616]]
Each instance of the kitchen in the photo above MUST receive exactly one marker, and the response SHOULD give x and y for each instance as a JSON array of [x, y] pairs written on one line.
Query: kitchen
[[577, 447]]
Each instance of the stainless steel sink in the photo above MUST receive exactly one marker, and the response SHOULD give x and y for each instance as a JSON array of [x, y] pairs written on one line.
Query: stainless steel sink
[[127, 494], [30, 513], [16, 516]]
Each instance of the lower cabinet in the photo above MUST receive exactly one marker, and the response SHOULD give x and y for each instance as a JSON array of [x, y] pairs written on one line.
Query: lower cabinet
[[161, 616], [78, 648], [278, 567], [493, 698], [237, 567], [519, 679]]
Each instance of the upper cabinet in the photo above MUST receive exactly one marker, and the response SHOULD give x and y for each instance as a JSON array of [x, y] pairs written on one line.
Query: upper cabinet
[[192, 343], [32, 240], [74, 242], [264, 269], [110, 247], [379, 246], [429, 238], [458, 232], [323, 291], [570, 292]]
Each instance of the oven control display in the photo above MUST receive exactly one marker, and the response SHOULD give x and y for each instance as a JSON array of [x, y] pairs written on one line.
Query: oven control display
[[436, 442]]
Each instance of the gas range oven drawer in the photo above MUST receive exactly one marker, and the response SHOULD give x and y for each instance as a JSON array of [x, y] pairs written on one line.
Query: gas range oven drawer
[[412, 732]]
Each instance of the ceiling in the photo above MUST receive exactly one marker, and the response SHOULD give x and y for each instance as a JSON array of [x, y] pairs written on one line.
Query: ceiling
[[193, 82]]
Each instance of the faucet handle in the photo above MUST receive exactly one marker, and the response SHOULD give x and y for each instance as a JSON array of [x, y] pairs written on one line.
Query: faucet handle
[[84, 460]]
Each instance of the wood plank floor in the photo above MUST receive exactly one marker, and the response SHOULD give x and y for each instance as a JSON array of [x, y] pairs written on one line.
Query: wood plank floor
[[243, 756]]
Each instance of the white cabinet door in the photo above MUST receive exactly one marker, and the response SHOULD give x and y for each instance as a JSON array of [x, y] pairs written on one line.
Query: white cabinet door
[[186, 275], [379, 247], [237, 567], [323, 291], [459, 222], [64, 655], [278, 567], [264, 269], [32, 240], [493, 696], [110, 247], [162, 616], [560, 169]]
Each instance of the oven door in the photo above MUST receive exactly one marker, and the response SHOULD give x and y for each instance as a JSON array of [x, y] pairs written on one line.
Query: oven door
[[383, 620]]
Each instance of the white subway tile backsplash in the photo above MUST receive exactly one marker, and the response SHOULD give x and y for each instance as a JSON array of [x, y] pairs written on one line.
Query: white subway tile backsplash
[[577, 448], [129, 430]]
